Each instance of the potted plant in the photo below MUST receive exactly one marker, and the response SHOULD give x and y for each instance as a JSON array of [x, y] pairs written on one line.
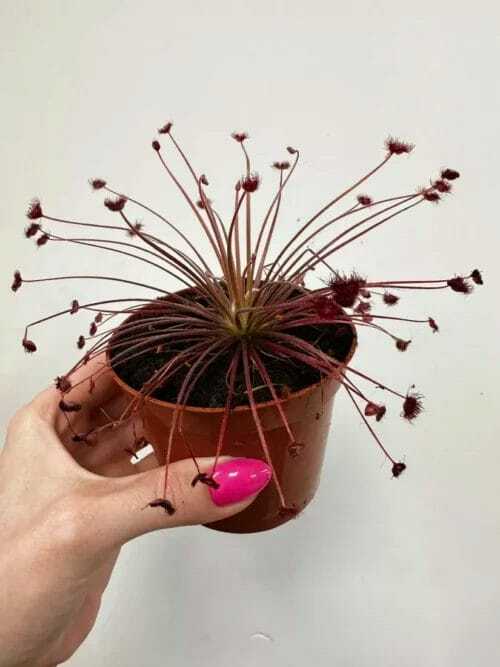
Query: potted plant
[[243, 358]]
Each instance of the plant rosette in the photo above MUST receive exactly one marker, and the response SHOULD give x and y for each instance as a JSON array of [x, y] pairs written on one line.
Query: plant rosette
[[241, 359]]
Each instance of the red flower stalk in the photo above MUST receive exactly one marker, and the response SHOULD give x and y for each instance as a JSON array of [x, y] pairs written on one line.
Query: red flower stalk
[[249, 312]]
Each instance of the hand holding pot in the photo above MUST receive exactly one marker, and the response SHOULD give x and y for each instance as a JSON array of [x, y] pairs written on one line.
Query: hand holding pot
[[66, 508]]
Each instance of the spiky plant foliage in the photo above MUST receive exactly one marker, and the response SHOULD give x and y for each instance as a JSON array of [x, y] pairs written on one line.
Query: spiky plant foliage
[[244, 309]]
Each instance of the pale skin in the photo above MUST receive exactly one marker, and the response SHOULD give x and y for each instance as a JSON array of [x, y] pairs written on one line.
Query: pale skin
[[66, 509]]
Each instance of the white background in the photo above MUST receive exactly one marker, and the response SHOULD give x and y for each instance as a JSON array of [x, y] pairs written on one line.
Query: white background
[[377, 571]]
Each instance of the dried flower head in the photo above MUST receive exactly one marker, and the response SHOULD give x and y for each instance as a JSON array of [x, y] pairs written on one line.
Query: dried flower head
[[240, 137], [397, 147], [459, 284], [32, 230], [402, 345], [34, 211], [433, 325], [17, 281], [63, 384], [69, 406], [29, 345], [364, 200], [412, 406], [477, 277], [346, 288], [115, 204], [281, 166], [449, 174], [250, 183], [390, 299], [165, 129], [42, 240], [397, 469], [97, 183]]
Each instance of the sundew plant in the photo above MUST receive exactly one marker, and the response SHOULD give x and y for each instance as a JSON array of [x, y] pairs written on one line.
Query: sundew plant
[[243, 312]]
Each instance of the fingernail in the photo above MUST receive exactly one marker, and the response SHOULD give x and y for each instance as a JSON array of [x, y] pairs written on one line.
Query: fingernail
[[238, 479]]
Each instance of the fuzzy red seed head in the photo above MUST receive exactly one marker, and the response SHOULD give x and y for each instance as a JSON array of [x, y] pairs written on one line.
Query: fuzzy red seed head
[[69, 406], [115, 204], [98, 318], [93, 329], [390, 299], [32, 230], [430, 195], [166, 128], [326, 308], [291, 150], [75, 307], [80, 343], [375, 410], [346, 288], [402, 345], [364, 200], [240, 137], [477, 277], [281, 166], [442, 185], [203, 179], [412, 406], [156, 145], [363, 307], [97, 183], [34, 211], [29, 346], [433, 324], [398, 468], [397, 147], [62, 383], [450, 174], [250, 183], [459, 284], [42, 240], [371, 409], [17, 281]]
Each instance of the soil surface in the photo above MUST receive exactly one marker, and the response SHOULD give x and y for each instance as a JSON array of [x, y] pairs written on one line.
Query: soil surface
[[211, 389]]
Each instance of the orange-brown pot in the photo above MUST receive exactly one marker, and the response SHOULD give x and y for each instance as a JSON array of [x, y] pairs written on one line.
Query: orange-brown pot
[[308, 412]]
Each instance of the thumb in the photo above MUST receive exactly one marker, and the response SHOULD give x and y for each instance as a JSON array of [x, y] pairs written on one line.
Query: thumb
[[128, 514]]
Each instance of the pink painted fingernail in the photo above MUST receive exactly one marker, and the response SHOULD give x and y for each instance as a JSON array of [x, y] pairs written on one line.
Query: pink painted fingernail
[[238, 479]]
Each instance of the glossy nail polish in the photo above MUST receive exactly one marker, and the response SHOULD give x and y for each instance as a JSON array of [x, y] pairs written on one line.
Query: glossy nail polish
[[238, 479]]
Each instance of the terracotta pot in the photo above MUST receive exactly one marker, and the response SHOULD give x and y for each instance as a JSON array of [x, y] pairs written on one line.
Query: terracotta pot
[[309, 414]]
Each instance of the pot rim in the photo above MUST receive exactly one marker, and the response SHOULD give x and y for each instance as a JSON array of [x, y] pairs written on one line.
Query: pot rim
[[239, 408]]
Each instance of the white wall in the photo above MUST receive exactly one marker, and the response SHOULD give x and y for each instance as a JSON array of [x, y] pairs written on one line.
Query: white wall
[[378, 571]]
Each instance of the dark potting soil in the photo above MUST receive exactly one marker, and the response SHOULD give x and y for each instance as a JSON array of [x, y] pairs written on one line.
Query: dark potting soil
[[211, 389]]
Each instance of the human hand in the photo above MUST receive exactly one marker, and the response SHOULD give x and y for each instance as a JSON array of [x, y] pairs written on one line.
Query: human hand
[[67, 508]]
